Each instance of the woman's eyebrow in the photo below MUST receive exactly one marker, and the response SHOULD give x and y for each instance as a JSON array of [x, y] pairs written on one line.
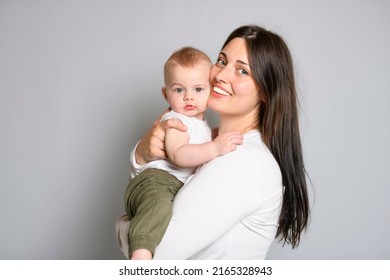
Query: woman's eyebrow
[[223, 54], [242, 62], [238, 61]]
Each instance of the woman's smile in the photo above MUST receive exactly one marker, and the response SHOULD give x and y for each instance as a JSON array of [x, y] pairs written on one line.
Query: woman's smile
[[221, 91]]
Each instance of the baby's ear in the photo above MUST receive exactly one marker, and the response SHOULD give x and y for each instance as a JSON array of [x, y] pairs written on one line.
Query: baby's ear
[[164, 92]]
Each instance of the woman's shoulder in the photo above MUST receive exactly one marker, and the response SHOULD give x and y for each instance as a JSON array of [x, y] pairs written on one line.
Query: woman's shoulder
[[253, 143], [255, 152], [251, 165]]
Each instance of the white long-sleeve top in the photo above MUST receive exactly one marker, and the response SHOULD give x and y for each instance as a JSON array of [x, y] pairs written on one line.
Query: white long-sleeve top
[[229, 209]]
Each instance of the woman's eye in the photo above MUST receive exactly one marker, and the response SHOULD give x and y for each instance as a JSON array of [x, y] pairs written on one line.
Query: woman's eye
[[221, 62], [178, 90], [243, 72]]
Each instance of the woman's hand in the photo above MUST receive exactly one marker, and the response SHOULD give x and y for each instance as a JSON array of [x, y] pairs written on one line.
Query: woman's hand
[[151, 146]]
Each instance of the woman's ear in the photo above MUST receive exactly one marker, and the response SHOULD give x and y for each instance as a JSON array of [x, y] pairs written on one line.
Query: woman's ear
[[164, 92]]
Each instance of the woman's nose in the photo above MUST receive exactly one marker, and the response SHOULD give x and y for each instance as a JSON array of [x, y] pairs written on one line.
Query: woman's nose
[[222, 75]]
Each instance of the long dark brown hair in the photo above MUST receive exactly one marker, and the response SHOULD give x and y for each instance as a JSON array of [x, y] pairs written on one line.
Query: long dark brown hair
[[273, 71]]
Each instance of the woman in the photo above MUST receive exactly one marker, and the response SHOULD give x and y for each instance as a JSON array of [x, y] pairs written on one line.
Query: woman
[[236, 204]]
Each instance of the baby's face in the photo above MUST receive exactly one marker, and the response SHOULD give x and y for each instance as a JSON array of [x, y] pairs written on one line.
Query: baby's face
[[188, 88]]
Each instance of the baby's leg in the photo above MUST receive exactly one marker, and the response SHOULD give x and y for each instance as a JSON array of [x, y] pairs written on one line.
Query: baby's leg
[[151, 210]]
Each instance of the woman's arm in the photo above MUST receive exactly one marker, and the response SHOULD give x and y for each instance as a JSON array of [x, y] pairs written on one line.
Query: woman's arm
[[216, 198], [151, 146]]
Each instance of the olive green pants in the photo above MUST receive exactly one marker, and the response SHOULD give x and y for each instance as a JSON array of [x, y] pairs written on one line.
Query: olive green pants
[[148, 202]]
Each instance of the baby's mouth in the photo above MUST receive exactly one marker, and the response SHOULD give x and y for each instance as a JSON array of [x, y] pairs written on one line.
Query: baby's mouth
[[190, 107]]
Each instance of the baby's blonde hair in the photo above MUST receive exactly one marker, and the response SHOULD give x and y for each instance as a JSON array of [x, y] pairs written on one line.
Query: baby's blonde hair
[[186, 57]]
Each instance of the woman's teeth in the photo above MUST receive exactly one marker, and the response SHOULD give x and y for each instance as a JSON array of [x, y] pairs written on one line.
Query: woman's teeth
[[221, 91]]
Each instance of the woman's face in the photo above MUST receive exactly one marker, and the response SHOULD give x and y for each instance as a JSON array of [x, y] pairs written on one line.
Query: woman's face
[[234, 91]]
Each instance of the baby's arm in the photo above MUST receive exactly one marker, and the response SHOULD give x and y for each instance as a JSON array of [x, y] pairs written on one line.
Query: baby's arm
[[183, 154]]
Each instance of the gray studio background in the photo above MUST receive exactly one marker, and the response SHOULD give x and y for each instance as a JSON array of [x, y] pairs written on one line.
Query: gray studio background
[[80, 84]]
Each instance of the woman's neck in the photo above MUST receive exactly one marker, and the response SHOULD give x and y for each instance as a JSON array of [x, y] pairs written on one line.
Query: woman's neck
[[234, 124]]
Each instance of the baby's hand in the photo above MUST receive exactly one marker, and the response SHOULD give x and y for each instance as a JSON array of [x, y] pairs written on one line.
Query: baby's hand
[[227, 142]]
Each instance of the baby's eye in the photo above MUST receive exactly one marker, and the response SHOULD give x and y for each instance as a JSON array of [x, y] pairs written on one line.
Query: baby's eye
[[199, 89], [178, 90]]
